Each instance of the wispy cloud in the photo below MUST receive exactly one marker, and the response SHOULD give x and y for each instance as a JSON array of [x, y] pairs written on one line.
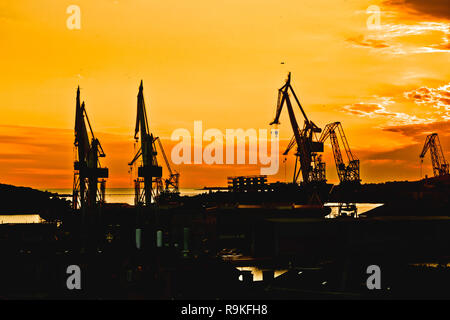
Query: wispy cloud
[[438, 98], [379, 110], [388, 38], [428, 8], [434, 102], [363, 41], [390, 31], [418, 131]]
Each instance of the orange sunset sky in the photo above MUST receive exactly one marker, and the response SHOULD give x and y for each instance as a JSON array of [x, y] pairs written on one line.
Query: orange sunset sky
[[220, 62]]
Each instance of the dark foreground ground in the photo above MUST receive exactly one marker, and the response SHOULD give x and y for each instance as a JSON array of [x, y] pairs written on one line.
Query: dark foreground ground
[[207, 252], [320, 258]]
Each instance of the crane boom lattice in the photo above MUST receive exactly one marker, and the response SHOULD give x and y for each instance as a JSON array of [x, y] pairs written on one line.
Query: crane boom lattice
[[440, 165], [346, 172]]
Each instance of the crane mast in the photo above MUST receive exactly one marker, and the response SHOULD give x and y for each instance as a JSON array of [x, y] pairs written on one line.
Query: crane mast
[[440, 165], [88, 189], [308, 162], [347, 173], [149, 173]]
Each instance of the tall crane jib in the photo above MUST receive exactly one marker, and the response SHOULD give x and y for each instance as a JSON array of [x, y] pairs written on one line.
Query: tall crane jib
[[347, 173], [308, 160], [89, 175], [440, 165], [148, 181]]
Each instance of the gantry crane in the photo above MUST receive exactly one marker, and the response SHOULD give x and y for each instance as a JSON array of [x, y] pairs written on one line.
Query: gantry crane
[[88, 190], [347, 173], [171, 183], [147, 183], [440, 165], [307, 161]]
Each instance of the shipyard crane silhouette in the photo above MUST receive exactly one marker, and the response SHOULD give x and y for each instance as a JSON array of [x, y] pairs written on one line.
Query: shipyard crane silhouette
[[440, 165], [172, 182], [89, 177], [347, 173], [148, 181], [308, 161]]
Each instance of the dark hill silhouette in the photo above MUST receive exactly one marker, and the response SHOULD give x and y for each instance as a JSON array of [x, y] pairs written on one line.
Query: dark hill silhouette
[[24, 200]]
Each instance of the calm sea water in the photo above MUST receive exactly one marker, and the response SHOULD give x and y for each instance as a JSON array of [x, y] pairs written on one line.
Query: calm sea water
[[113, 195], [126, 195], [361, 208], [20, 218]]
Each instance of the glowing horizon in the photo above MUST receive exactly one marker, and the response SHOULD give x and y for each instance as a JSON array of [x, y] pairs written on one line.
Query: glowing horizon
[[221, 63]]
